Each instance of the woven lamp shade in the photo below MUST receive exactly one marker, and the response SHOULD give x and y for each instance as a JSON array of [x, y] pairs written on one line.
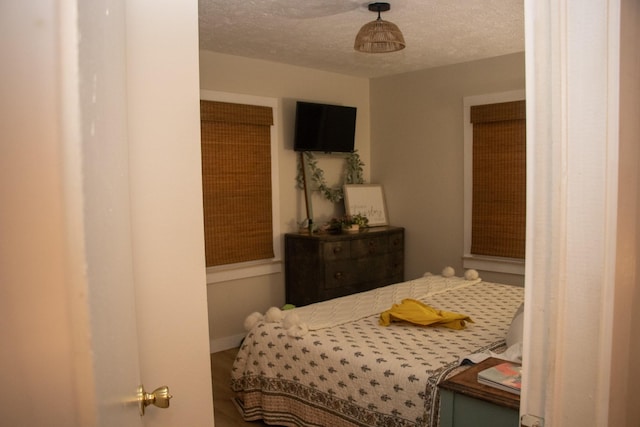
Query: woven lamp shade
[[379, 36]]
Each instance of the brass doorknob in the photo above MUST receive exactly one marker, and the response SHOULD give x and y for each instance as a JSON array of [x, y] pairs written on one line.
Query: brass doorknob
[[159, 397]]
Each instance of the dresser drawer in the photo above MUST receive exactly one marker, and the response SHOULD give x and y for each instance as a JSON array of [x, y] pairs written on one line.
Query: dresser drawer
[[396, 242], [339, 274], [370, 246], [336, 250]]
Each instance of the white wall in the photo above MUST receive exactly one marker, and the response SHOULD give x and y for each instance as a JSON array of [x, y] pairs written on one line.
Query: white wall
[[230, 302], [417, 153]]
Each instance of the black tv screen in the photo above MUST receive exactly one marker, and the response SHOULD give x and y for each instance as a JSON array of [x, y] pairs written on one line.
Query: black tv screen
[[323, 127]]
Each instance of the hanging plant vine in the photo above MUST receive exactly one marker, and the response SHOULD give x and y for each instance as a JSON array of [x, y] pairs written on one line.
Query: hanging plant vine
[[354, 169], [353, 175]]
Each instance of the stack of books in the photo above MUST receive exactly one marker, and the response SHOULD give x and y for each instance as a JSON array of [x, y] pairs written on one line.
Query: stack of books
[[505, 376]]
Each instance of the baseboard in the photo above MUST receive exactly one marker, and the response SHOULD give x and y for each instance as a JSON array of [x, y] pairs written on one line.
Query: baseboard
[[221, 344]]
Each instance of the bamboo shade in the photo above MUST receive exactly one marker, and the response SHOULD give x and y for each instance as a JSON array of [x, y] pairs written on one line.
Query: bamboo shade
[[499, 180], [236, 178]]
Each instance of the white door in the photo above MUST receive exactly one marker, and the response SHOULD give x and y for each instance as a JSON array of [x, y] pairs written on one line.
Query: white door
[[166, 206], [102, 272], [106, 200], [157, 182]]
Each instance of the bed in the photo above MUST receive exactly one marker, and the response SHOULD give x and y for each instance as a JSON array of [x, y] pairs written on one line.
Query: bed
[[333, 364]]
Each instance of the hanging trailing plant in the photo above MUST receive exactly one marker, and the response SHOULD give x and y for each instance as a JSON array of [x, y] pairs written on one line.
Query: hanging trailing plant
[[354, 169], [353, 175]]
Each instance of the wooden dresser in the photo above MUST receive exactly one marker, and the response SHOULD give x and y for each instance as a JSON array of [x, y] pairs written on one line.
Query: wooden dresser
[[319, 267]]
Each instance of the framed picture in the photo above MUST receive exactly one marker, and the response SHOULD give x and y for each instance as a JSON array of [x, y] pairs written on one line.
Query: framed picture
[[367, 200]]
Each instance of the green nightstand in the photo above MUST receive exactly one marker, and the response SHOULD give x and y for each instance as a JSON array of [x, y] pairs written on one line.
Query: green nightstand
[[466, 403]]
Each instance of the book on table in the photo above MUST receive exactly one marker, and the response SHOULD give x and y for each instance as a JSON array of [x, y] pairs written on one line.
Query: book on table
[[505, 376]]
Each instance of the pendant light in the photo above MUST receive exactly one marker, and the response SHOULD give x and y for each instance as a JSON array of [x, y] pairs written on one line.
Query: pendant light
[[379, 36]]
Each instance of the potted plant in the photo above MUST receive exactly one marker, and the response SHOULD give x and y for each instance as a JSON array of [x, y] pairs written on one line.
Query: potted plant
[[360, 220], [348, 223]]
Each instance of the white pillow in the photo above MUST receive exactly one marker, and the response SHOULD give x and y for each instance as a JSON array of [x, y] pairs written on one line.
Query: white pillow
[[514, 334]]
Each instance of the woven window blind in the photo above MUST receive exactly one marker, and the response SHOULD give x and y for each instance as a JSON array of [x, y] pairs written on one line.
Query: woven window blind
[[236, 178], [499, 180]]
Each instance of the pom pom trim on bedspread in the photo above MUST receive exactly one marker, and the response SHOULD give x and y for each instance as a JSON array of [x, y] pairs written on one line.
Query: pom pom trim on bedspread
[[299, 321]]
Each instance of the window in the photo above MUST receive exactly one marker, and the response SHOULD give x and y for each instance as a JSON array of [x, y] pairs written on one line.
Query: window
[[238, 156], [495, 182]]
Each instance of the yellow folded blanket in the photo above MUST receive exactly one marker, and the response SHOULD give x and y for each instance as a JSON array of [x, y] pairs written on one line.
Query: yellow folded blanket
[[413, 311]]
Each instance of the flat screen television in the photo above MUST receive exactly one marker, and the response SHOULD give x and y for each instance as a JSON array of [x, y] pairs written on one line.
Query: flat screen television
[[323, 127]]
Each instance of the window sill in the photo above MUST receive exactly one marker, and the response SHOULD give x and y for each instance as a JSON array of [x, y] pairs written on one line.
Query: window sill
[[494, 264], [243, 270]]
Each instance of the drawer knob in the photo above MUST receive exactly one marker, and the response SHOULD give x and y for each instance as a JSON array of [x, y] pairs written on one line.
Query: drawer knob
[[337, 249], [338, 275]]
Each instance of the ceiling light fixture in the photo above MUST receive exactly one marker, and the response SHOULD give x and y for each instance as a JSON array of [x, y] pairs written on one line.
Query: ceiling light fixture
[[379, 36]]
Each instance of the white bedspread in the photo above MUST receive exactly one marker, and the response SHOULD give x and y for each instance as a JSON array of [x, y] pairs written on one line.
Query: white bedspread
[[350, 308], [358, 373]]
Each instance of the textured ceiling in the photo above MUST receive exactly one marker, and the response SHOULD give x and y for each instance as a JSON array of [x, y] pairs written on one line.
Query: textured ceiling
[[320, 34]]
